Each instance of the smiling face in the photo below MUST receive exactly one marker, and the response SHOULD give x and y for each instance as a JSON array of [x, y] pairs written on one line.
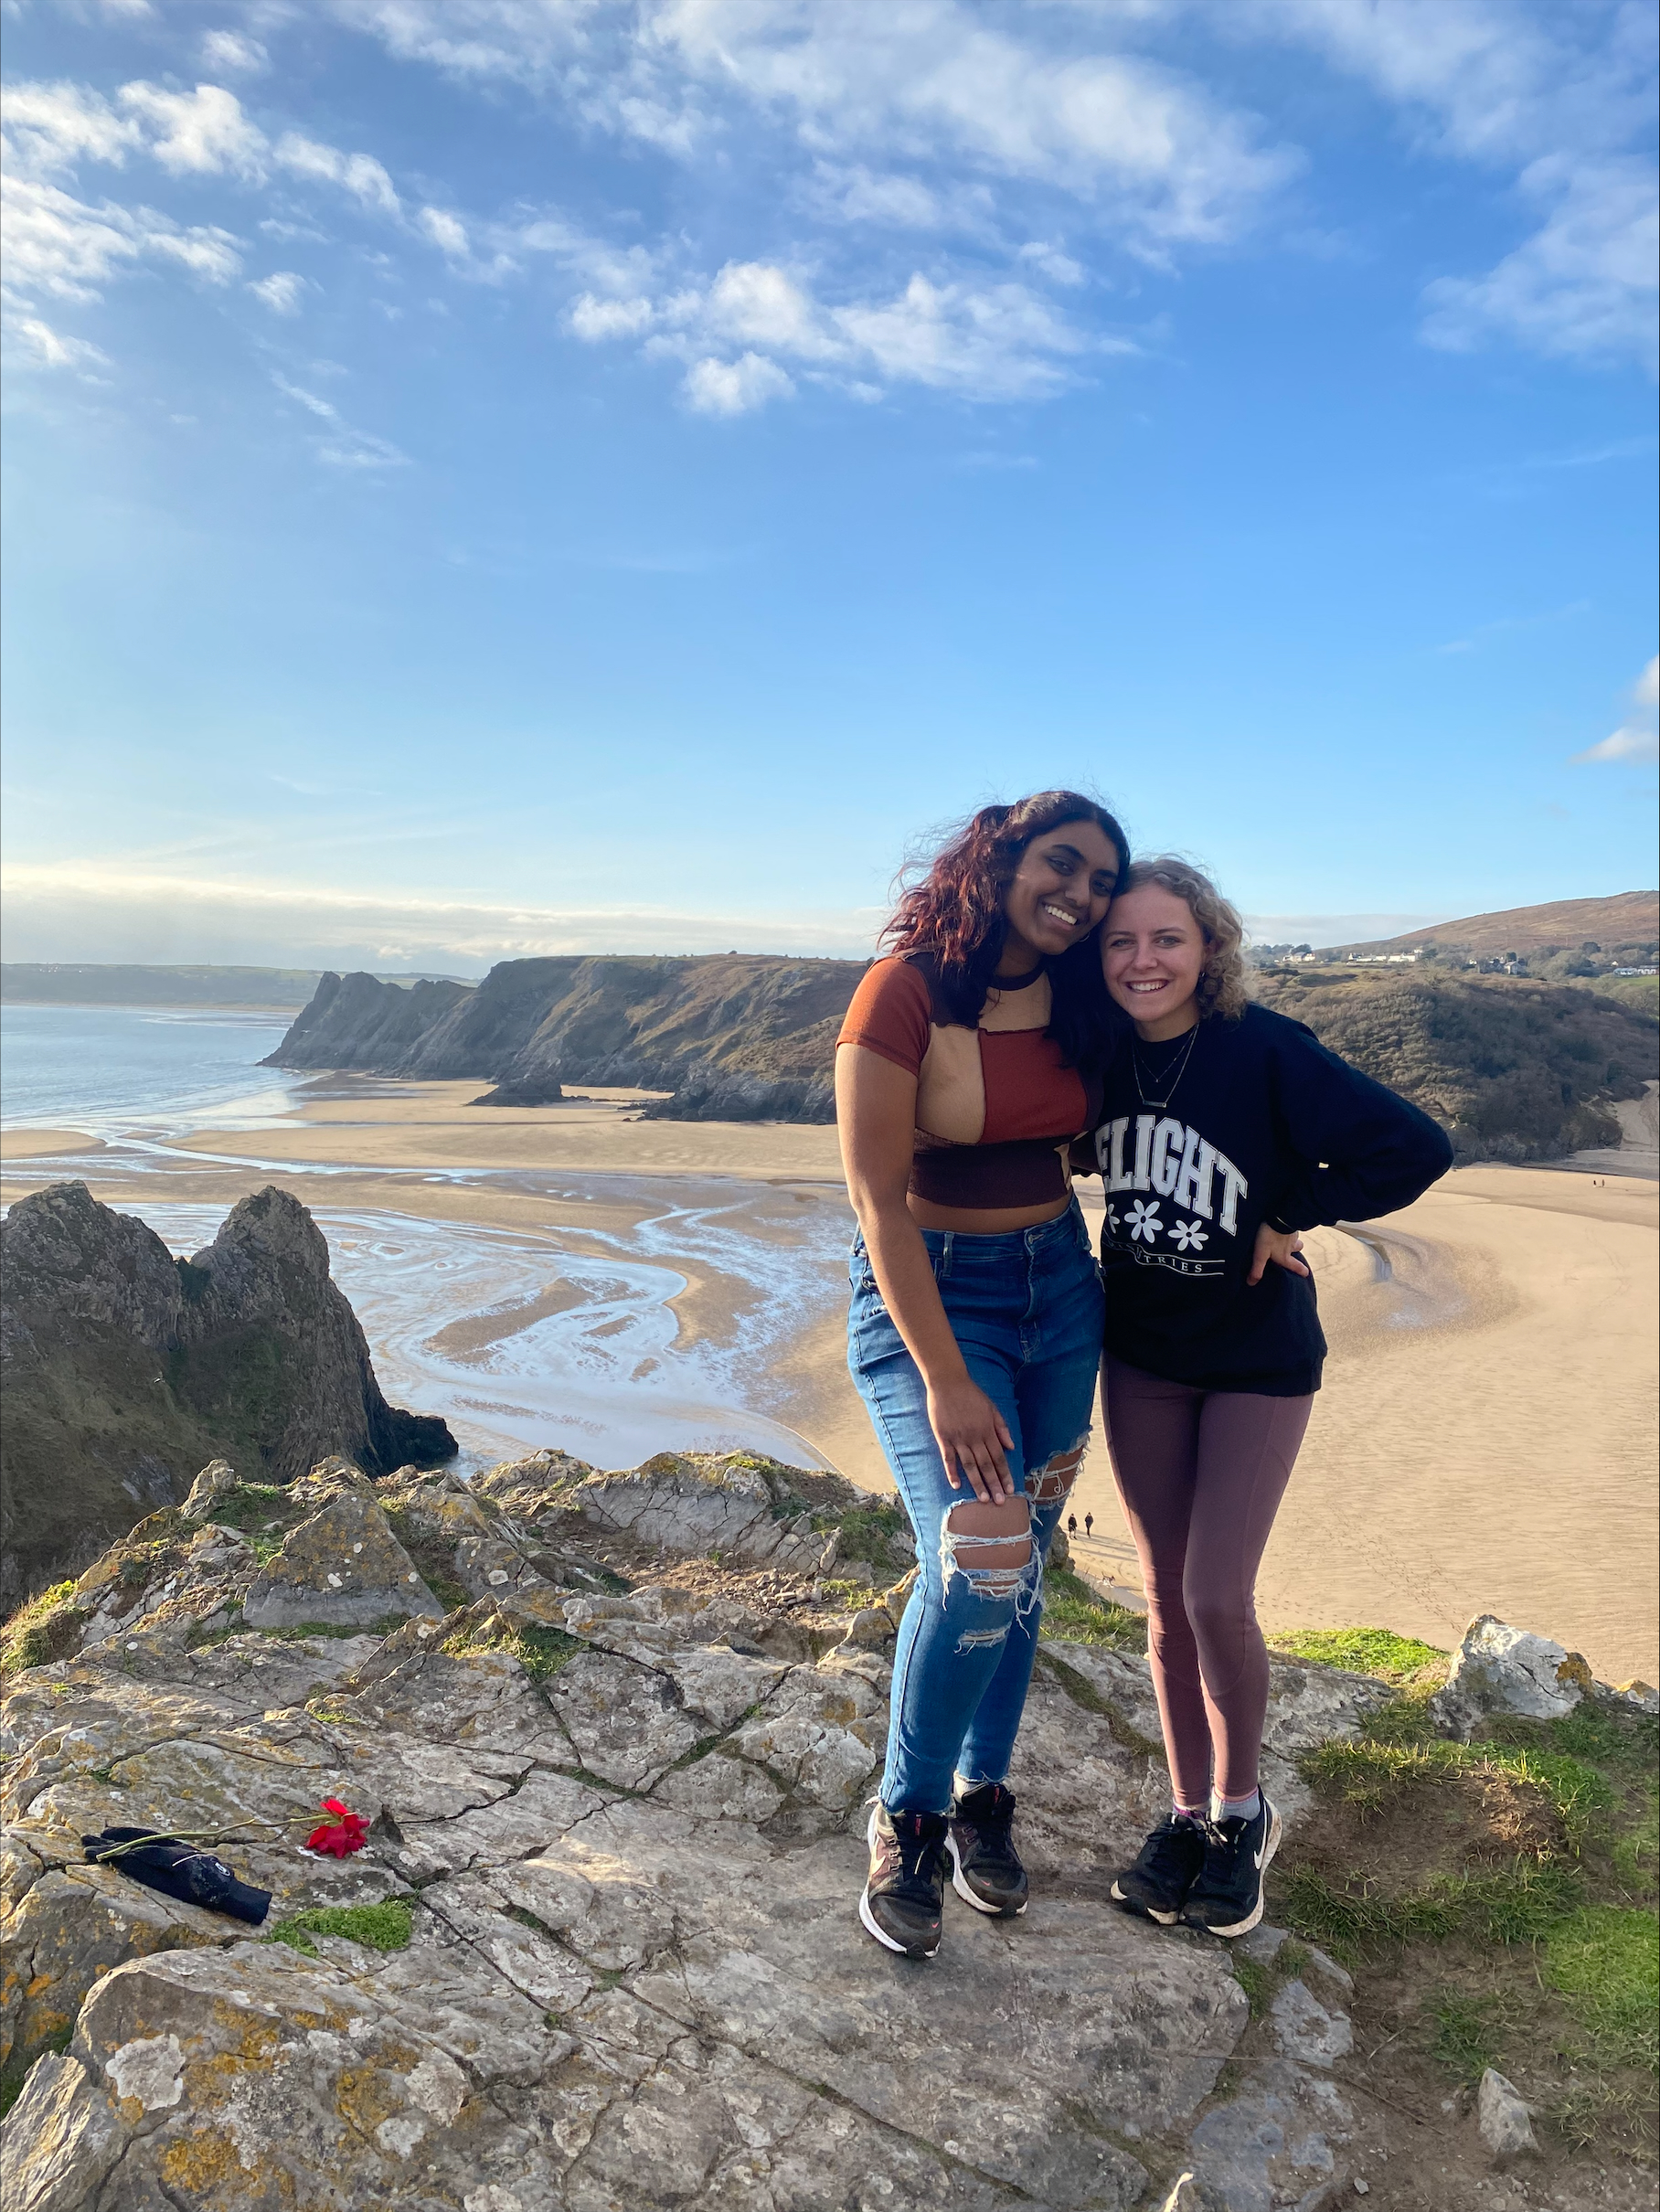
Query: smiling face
[[1058, 894], [1153, 953]]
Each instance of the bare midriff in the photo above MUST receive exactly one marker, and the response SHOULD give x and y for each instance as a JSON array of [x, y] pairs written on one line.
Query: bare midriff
[[984, 1221]]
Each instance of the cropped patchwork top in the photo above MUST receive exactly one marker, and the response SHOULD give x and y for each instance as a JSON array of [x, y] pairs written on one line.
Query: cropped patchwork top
[[996, 1105]]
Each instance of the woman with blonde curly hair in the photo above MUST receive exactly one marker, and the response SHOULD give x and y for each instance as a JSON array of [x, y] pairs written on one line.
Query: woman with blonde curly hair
[[1226, 1130]]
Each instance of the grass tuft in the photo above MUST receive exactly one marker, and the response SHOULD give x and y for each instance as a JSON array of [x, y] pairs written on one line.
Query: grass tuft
[[1514, 1904], [1605, 1961], [541, 1652], [384, 1926], [15, 2071], [1470, 2029], [1072, 1612], [43, 1630], [1256, 1980], [843, 1596], [1370, 1774], [1401, 1660]]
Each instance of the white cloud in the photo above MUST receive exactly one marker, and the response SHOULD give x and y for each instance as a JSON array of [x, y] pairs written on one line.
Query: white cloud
[[49, 127], [595, 319], [1553, 93], [1638, 737], [342, 445], [56, 243], [957, 115], [231, 50], [988, 342], [858, 195], [279, 292], [47, 348], [735, 387], [205, 131], [60, 245], [980, 340], [1037, 95], [89, 909], [1583, 287], [358, 174], [447, 232], [948, 81]]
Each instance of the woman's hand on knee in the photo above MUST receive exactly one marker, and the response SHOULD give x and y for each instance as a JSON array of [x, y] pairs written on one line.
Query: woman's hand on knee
[[973, 1438]]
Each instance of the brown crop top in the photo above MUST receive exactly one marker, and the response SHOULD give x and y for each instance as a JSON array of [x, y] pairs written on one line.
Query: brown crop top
[[996, 1106]]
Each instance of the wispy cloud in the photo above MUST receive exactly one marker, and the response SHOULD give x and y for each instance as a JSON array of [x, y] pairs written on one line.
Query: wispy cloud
[[1583, 287], [82, 909], [49, 348], [342, 445], [951, 189], [280, 291], [736, 332], [1638, 737], [1504, 623]]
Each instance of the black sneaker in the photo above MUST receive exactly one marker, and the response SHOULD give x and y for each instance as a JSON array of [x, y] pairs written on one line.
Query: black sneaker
[[1226, 1897], [985, 1870], [905, 1889], [1166, 1870]]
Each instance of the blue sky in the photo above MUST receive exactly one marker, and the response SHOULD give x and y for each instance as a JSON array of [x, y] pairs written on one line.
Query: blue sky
[[500, 476]]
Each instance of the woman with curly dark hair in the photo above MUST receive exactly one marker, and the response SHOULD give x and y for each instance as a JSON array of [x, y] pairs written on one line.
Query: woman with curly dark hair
[[968, 1061]]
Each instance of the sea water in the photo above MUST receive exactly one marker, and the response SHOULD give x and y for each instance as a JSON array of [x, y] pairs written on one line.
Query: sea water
[[107, 1070], [455, 1312]]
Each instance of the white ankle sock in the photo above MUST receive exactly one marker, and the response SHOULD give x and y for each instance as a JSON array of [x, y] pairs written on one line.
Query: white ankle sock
[[1238, 1807]]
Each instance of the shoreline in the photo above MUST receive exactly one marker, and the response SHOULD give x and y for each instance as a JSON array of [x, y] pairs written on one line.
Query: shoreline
[[1484, 1443]]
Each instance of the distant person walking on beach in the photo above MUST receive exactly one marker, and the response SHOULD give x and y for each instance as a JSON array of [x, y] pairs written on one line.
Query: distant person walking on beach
[[968, 1059], [1089, 1524], [1226, 1130]]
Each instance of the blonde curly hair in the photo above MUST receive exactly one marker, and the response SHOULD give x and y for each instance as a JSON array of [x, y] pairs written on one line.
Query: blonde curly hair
[[1224, 985]]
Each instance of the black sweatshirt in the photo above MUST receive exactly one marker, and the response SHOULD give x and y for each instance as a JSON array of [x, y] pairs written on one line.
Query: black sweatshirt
[[1262, 1123]]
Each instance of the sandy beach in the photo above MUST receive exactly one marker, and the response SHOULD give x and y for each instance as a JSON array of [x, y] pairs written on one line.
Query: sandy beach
[[1485, 1442]]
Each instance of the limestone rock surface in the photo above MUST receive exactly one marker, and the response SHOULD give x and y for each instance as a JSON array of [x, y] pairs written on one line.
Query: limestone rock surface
[[701, 1502], [1499, 1669], [620, 1835], [1504, 2120], [343, 1567]]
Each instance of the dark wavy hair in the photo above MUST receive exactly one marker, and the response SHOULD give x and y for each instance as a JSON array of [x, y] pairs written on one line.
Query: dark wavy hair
[[953, 915]]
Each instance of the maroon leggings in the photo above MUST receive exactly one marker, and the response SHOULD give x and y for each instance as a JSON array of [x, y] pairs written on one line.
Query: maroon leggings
[[1201, 1473]]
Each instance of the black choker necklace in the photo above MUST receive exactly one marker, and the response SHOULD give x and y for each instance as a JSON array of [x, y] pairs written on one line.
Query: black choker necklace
[[1017, 982]]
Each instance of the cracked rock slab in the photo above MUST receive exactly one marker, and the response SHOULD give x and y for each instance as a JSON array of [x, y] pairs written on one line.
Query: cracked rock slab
[[343, 1568]]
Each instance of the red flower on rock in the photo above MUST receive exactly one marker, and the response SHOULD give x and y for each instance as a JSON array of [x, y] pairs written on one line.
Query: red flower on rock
[[347, 1832]]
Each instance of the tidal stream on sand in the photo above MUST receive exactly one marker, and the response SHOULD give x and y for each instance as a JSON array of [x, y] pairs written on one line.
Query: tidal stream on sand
[[520, 1343], [628, 1314]]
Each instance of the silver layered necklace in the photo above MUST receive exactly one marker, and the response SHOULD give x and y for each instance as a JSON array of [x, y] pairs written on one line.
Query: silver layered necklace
[[1171, 1075]]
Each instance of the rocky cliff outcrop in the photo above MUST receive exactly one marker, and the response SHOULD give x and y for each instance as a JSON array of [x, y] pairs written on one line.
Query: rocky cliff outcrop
[[600, 1953], [1514, 1070], [735, 1037], [125, 1368]]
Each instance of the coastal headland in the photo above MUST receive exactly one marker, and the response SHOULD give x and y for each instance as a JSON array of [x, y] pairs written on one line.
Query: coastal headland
[[1485, 1440]]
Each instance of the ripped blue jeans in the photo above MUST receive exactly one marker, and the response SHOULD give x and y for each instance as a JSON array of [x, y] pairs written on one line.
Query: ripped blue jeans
[[1025, 1309]]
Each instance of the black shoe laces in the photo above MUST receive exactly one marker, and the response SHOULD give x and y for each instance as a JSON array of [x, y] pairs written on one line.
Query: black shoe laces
[[920, 1846], [990, 1812], [1167, 1850], [1222, 1842]]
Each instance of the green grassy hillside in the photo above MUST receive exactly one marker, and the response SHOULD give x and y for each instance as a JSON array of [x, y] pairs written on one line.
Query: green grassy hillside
[[1514, 1070]]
